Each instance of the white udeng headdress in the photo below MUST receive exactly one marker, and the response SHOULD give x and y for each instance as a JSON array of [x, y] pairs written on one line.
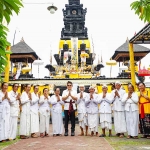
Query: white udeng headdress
[[104, 86], [81, 85], [117, 82], [91, 87]]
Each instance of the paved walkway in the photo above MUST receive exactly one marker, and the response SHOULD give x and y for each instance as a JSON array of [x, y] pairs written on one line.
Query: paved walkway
[[62, 143]]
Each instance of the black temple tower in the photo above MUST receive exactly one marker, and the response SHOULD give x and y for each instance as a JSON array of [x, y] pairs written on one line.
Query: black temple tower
[[74, 21]]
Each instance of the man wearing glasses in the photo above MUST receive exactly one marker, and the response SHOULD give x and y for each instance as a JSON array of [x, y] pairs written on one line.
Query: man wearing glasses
[[69, 96]]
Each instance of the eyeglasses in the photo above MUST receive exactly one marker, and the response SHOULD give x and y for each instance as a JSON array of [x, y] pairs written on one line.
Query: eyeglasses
[[69, 85]]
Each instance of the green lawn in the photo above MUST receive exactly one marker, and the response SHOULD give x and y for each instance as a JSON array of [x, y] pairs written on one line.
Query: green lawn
[[5, 144], [128, 144]]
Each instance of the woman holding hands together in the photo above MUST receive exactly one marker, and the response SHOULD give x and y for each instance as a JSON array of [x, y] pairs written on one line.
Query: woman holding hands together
[[131, 111]]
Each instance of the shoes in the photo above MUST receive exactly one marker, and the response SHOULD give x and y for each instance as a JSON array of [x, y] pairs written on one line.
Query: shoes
[[118, 134], [72, 133], [110, 135], [102, 135], [66, 134]]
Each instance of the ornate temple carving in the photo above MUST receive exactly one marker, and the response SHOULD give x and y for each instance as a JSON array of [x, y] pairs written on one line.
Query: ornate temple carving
[[74, 21]]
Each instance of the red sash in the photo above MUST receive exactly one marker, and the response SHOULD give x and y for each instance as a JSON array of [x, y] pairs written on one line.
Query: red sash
[[70, 106], [142, 116]]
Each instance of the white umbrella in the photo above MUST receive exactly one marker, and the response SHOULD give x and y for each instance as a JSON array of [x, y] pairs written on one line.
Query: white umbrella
[[111, 63], [38, 63]]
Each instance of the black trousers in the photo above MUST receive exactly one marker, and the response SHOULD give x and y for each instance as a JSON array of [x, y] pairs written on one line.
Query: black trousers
[[72, 119]]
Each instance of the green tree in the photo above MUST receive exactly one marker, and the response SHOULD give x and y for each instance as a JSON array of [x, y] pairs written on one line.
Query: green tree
[[142, 9], [7, 7]]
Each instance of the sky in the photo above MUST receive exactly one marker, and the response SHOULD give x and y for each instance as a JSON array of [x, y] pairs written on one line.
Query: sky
[[109, 23]]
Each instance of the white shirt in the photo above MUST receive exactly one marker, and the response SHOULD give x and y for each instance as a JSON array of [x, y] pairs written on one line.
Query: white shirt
[[92, 105], [81, 108], [131, 102], [105, 103], [44, 105], [64, 94], [34, 103], [25, 102], [56, 106], [4, 105], [14, 104], [117, 103]]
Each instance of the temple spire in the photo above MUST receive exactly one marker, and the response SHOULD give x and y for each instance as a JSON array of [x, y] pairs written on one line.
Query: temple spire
[[74, 2]]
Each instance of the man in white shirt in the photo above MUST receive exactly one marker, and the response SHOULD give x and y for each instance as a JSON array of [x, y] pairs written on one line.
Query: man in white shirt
[[69, 96], [118, 108], [14, 111], [34, 109], [4, 113], [25, 113], [91, 103], [81, 108]]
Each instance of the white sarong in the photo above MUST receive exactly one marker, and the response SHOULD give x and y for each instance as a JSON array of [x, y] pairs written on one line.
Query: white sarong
[[24, 124], [57, 123], [44, 123], [13, 127], [93, 122], [34, 122], [82, 118], [106, 120], [132, 122], [119, 122]]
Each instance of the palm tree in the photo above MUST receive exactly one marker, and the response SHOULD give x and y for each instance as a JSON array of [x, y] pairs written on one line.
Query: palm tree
[[7, 7], [142, 9]]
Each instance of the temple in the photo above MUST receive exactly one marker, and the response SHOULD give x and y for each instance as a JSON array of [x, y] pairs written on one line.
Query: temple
[[74, 21], [75, 56]]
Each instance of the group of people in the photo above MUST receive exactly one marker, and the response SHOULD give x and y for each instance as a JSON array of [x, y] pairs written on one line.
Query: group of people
[[131, 110]]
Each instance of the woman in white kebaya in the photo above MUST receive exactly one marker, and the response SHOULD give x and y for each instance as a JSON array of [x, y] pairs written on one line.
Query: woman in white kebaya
[[14, 111], [4, 113], [57, 119], [44, 110], [131, 110], [34, 110], [25, 113]]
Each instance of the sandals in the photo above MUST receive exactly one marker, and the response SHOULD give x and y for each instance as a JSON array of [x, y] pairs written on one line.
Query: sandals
[[135, 137], [23, 137], [128, 137], [121, 136], [34, 135], [144, 136], [96, 133], [41, 135], [118, 134], [92, 133], [102, 135], [46, 134]]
